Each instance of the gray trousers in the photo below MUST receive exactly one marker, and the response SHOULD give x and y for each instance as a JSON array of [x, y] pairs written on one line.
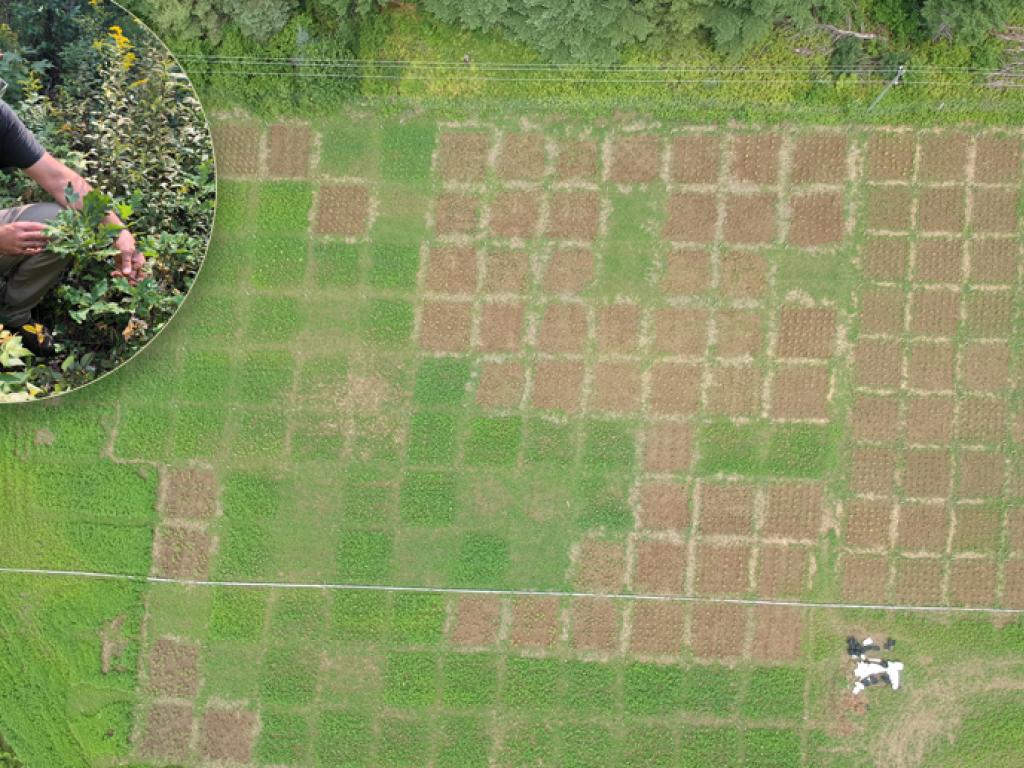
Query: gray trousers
[[26, 279]]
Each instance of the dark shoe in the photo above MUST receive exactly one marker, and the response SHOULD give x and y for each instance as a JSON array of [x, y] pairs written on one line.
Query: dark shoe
[[35, 337]]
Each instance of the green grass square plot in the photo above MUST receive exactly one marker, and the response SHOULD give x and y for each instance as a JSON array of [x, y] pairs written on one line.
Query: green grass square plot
[[259, 435], [772, 747], [109, 548], [343, 739], [824, 276], [531, 743], [144, 432], [288, 676], [710, 747], [227, 669], [482, 560], [336, 264], [225, 261], [207, 316], [650, 747], [586, 745], [283, 208], [632, 244], [417, 618], [431, 438], [653, 689], [358, 615], [410, 679], [364, 556], [441, 381], [469, 681], [250, 496], [265, 376], [243, 553], [401, 216], [604, 500], [393, 266], [113, 492], [275, 318], [175, 610], [205, 376], [801, 450], [198, 431], [549, 442], [236, 201], [378, 439], [406, 150], [298, 615], [323, 378], [284, 738], [427, 498], [532, 684], [276, 261], [350, 147], [315, 439], [403, 743], [733, 449], [369, 494], [775, 692], [238, 614], [709, 689], [493, 441], [386, 321], [609, 444], [463, 743], [590, 686]]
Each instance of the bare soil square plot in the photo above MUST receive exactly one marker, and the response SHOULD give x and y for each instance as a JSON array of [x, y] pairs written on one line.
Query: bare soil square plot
[[890, 156], [819, 158], [569, 270], [941, 209], [596, 624], [501, 384], [477, 620], [189, 494], [600, 566], [557, 385], [997, 159], [989, 313], [657, 628], [695, 158], [986, 366], [922, 528], [994, 210], [982, 474], [889, 208], [750, 219], [522, 157], [782, 571], [972, 583], [1013, 584], [669, 447], [976, 529], [794, 510], [755, 157], [918, 581], [735, 390], [663, 505], [930, 420], [173, 668], [863, 578], [506, 271], [680, 331], [982, 420], [687, 272], [885, 258], [501, 326], [800, 392], [943, 157], [875, 418], [636, 159], [342, 209], [456, 213], [563, 328], [445, 326], [778, 633], [930, 366], [817, 219], [739, 333], [927, 473], [168, 732], [866, 523], [514, 213], [744, 275], [722, 569], [726, 508], [238, 148], [535, 622], [462, 156], [718, 630], [878, 363], [806, 332], [228, 735], [577, 159], [289, 150], [690, 217], [939, 260], [618, 328], [181, 553], [872, 470], [574, 214], [660, 567], [934, 312], [616, 388], [675, 388]]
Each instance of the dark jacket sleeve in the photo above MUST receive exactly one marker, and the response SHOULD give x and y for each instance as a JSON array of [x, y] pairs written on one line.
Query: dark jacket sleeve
[[18, 147]]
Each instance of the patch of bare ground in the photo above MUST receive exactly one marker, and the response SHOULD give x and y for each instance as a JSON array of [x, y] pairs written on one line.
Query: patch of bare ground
[[930, 420], [506, 271], [927, 473], [977, 529], [174, 668], [669, 447], [986, 366], [994, 260], [657, 628], [918, 581], [872, 470], [456, 213], [535, 622], [881, 310], [113, 646], [663, 505], [289, 148], [943, 157], [800, 392], [659, 568], [228, 735], [867, 523], [687, 272], [863, 578], [675, 388], [989, 313], [888, 208], [726, 508], [778, 633], [740, 332], [922, 528], [939, 260], [577, 160], [735, 390], [890, 156], [514, 213], [875, 418], [445, 326], [522, 157], [238, 148], [744, 275], [755, 157], [616, 387], [885, 258], [981, 474], [694, 158], [569, 270], [501, 326], [930, 368], [806, 332], [343, 209], [462, 156], [982, 420], [997, 159], [794, 509], [819, 158], [680, 330], [636, 159], [783, 571], [181, 553], [690, 217], [1013, 584], [596, 622], [167, 733], [618, 328], [563, 328], [189, 494], [972, 583], [477, 620], [816, 219], [600, 566], [722, 569], [941, 209], [557, 385], [934, 311], [574, 214], [718, 630], [501, 384], [750, 219]]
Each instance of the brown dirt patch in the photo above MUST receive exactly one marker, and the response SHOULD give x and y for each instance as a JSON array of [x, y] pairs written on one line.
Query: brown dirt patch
[[445, 325], [189, 494], [1013, 584], [794, 510], [927, 473], [800, 392], [778, 633], [657, 628], [618, 328], [943, 157], [888, 208], [972, 582], [806, 332], [675, 388], [881, 310], [941, 209], [982, 474], [501, 385], [463, 156], [506, 272], [690, 217], [595, 624], [569, 270], [636, 159], [718, 630], [660, 567], [735, 390], [994, 260], [744, 275], [986, 366], [238, 148], [890, 156], [477, 620], [694, 158], [456, 213], [817, 219], [864, 578], [168, 732], [931, 366], [750, 219], [739, 332], [722, 569], [563, 328], [514, 213], [939, 260], [995, 210], [918, 581], [930, 420], [922, 528], [228, 734], [872, 470], [878, 363], [600, 566], [174, 668], [876, 418], [755, 157], [867, 523], [501, 326], [997, 159], [934, 312], [885, 258], [663, 506], [680, 331], [181, 553], [687, 272], [576, 160], [535, 622], [113, 644], [819, 158], [783, 571], [557, 385], [617, 387], [977, 529], [669, 447], [343, 209], [289, 150], [521, 157], [726, 508], [989, 313], [574, 214], [982, 420]]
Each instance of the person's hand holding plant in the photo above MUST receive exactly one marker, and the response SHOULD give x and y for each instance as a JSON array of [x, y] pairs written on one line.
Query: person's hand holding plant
[[130, 258], [22, 238]]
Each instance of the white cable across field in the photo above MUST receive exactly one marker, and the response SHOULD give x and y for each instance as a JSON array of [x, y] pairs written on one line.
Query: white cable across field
[[501, 592]]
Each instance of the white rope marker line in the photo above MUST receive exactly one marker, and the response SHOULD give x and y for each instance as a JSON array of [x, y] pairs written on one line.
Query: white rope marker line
[[498, 592]]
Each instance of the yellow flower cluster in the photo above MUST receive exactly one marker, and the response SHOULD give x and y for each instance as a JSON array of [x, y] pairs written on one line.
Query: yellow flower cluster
[[124, 46]]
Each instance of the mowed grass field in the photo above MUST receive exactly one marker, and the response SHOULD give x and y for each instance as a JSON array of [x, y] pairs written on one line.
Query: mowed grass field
[[611, 359]]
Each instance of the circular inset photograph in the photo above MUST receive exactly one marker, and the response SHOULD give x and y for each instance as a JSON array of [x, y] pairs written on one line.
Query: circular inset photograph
[[107, 192]]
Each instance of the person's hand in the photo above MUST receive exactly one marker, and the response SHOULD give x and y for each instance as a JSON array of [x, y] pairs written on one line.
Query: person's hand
[[22, 238], [130, 260]]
